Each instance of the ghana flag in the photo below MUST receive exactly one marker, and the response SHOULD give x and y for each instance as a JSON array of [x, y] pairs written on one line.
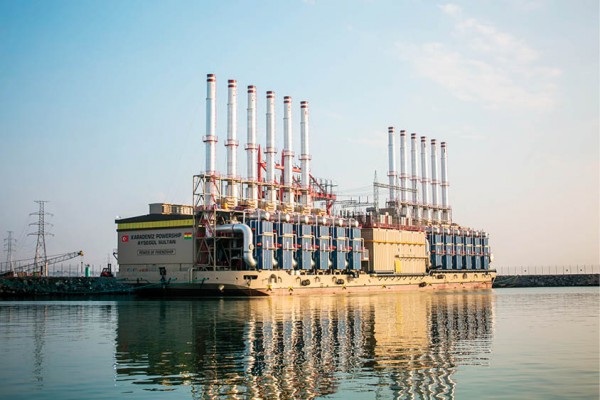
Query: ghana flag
[[187, 235]]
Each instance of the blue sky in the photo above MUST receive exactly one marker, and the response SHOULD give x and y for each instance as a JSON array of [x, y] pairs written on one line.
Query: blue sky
[[102, 107]]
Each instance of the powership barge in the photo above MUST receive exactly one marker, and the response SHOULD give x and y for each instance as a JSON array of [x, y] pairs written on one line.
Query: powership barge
[[280, 231]]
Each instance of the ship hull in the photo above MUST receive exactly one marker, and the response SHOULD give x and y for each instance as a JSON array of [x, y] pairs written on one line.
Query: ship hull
[[282, 283]]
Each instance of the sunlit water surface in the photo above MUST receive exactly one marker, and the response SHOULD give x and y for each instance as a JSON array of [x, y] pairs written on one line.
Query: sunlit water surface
[[507, 343]]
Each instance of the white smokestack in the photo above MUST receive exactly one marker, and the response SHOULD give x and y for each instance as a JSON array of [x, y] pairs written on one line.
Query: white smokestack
[[414, 177], [251, 147], [232, 142], [305, 156], [270, 150], [403, 169], [446, 214], [424, 178], [288, 154], [392, 163], [211, 120], [210, 138], [434, 182]]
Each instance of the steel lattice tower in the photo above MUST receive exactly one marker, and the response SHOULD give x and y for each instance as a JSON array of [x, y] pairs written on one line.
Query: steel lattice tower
[[9, 244], [41, 258]]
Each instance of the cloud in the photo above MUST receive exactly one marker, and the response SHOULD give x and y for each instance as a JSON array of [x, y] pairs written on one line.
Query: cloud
[[486, 39], [485, 65], [475, 80], [451, 9]]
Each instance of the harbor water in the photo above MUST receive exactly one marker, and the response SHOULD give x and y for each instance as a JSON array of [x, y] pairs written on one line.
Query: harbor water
[[534, 343]]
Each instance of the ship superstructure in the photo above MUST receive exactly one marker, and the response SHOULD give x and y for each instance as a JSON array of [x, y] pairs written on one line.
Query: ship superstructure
[[276, 230]]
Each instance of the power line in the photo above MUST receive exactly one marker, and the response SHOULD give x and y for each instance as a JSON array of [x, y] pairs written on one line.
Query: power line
[[41, 258]]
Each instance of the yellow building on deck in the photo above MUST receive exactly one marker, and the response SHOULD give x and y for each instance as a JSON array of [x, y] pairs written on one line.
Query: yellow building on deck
[[396, 251]]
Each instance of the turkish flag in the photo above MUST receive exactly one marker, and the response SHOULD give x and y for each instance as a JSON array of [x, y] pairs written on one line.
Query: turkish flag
[[125, 238]]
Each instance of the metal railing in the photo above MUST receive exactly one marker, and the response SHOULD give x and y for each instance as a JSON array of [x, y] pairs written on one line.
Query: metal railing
[[548, 270]]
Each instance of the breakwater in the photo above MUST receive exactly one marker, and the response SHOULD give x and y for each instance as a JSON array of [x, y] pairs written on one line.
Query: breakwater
[[44, 286], [506, 281]]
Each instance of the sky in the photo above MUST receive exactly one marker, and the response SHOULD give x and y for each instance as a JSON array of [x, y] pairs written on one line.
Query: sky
[[102, 108]]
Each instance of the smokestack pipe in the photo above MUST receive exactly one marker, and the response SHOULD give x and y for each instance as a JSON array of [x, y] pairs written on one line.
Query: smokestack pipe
[[392, 163], [304, 156], [210, 138], [424, 178], [414, 177], [270, 150], [251, 147], [288, 154], [232, 142], [403, 168], [434, 182], [446, 215], [211, 120]]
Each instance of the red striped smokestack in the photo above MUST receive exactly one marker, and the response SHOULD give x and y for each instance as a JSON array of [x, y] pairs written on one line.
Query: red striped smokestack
[[416, 209], [270, 149], [424, 179], [434, 181], [232, 142], [446, 213], [403, 167], [210, 139], [392, 163], [304, 155], [211, 120], [288, 154], [251, 146]]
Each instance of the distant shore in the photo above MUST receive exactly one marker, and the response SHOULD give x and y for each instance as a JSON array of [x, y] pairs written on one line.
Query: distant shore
[[508, 281]]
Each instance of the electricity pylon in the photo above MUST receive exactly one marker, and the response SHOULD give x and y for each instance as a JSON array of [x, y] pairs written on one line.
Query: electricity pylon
[[9, 244], [41, 258]]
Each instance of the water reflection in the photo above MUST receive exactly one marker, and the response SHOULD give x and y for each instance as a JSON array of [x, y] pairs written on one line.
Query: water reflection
[[402, 346]]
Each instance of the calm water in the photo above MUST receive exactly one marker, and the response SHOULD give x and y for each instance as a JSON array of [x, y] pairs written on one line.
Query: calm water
[[507, 343]]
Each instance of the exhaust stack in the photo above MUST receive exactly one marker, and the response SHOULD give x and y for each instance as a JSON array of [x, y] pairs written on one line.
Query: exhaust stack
[[232, 144], [392, 164], [403, 173], [416, 209], [251, 149], [435, 212], [288, 155], [305, 199], [424, 179], [270, 151], [210, 139], [446, 211]]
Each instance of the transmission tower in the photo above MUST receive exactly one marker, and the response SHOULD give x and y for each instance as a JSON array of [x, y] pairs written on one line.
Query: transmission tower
[[41, 258], [9, 244]]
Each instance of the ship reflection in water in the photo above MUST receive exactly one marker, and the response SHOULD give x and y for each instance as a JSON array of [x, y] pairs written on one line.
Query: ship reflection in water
[[405, 345]]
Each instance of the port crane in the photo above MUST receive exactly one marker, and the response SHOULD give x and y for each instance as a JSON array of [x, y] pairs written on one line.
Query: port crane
[[32, 266]]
